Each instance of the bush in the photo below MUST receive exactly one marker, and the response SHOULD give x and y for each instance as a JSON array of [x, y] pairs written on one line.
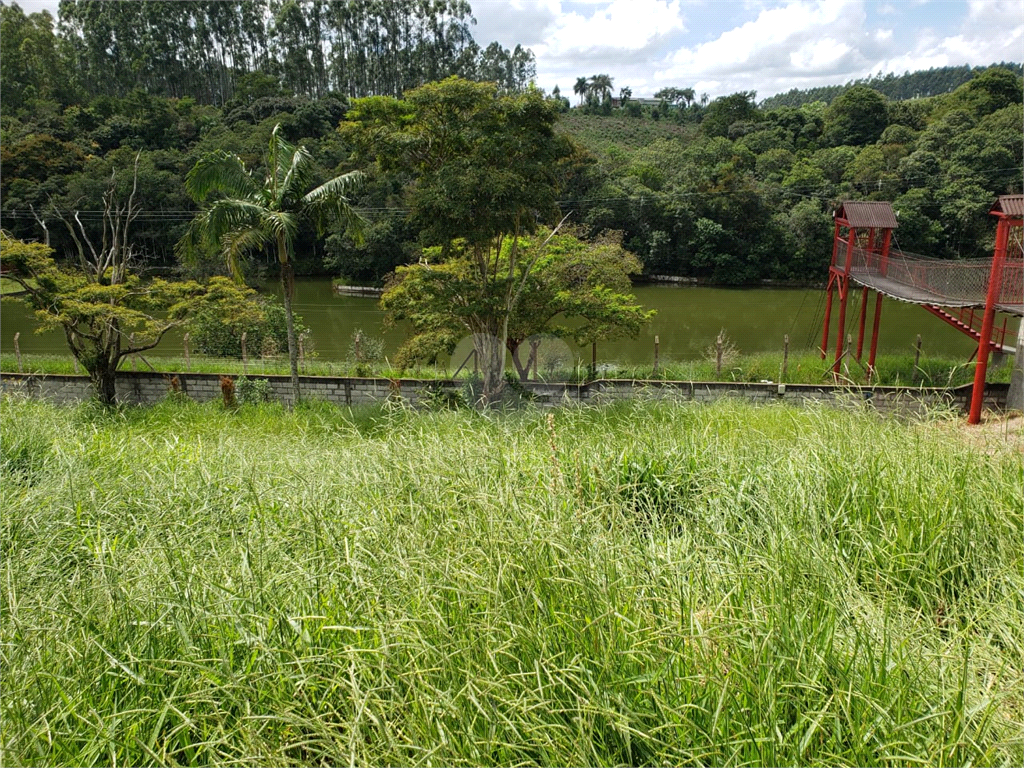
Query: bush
[[210, 336], [251, 391]]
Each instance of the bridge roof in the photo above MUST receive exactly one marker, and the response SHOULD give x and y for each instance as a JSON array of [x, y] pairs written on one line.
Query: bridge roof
[[1009, 205], [862, 213]]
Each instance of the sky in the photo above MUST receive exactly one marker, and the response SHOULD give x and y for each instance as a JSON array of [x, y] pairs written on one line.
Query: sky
[[723, 46]]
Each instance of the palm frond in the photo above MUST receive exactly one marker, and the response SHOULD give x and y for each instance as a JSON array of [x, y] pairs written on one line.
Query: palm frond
[[219, 172], [238, 242], [296, 178], [280, 155], [329, 203], [280, 224]]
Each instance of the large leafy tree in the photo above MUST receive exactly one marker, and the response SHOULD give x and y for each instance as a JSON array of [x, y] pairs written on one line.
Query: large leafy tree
[[109, 313], [569, 288], [487, 170], [245, 213]]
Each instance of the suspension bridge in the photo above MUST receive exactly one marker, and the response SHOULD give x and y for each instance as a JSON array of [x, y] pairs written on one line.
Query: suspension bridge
[[965, 293]]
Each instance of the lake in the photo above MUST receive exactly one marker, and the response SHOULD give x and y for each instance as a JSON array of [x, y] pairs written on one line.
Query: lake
[[688, 320]]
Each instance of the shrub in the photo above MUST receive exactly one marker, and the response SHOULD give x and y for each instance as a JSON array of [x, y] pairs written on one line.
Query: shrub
[[211, 336], [252, 391]]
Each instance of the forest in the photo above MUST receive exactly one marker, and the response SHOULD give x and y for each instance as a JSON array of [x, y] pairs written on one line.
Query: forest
[[728, 191]]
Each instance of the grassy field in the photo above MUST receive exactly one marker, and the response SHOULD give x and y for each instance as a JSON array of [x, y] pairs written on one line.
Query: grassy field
[[638, 584], [802, 368]]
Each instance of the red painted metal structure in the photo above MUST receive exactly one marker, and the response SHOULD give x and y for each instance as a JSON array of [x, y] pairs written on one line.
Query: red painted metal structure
[[870, 219], [1003, 280], [966, 293]]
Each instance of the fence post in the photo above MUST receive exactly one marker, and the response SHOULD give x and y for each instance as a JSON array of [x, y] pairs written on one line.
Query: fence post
[[245, 357], [785, 356], [718, 355], [657, 345], [131, 343], [17, 350], [188, 361], [917, 356], [302, 352]]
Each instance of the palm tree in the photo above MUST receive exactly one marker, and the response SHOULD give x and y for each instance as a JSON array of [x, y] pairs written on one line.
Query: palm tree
[[601, 85], [246, 214], [581, 88]]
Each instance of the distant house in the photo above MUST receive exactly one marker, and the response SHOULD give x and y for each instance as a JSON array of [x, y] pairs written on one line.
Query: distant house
[[616, 102]]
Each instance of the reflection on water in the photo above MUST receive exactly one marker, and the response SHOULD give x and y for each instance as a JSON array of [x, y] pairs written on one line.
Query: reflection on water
[[688, 320]]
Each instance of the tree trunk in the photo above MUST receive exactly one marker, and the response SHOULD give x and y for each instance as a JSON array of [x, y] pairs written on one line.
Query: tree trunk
[[287, 287], [522, 370], [490, 352], [104, 379]]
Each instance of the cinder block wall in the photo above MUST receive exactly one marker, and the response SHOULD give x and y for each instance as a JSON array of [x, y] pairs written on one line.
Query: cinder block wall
[[147, 388]]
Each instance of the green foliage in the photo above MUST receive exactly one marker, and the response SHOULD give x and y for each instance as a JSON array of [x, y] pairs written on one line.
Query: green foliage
[[857, 117], [485, 168], [266, 334], [567, 287], [245, 214], [114, 313], [725, 111], [252, 391], [365, 349]]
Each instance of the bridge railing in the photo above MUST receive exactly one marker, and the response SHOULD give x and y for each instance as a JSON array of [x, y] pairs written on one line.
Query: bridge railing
[[960, 281]]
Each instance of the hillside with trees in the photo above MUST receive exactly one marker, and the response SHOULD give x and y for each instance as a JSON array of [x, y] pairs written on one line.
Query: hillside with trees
[[909, 85], [728, 190]]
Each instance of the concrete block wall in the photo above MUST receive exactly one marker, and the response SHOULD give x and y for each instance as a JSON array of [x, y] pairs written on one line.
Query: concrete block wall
[[148, 388]]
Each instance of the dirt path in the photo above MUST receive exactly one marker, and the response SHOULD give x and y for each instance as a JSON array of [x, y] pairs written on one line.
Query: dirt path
[[996, 432]]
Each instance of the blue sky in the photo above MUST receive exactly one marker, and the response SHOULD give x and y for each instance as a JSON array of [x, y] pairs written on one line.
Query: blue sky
[[721, 46]]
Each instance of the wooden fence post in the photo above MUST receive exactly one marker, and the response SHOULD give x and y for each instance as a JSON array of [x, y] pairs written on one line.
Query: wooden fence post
[[17, 350], [188, 361], [718, 355], [245, 357], [135, 360], [657, 344], [917, 356], [785, 356]]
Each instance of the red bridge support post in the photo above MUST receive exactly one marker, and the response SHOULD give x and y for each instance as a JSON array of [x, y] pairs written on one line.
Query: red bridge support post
[[863, 318], [844, 294], [874, 334], [985, 342], [828, 299]]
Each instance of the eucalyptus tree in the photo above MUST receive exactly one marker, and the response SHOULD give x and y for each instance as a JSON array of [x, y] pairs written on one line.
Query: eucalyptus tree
[[244, 213]]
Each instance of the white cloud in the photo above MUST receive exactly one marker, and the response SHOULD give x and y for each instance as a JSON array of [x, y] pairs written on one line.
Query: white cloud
[[629, 25], [791, 37]]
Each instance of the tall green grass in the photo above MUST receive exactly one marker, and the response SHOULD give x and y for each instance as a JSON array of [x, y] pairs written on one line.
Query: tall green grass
[[637, 584]]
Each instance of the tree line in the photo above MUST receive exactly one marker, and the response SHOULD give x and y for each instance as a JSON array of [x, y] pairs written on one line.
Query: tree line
[[909, 85], [213, 51], [723, 190]]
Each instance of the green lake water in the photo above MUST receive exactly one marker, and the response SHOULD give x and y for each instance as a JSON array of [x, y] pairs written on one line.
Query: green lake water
[[688, 320]]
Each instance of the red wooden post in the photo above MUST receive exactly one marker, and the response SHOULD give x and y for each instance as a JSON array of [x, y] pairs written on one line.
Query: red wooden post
[[984, 343], [828, 299], [844, 292], [886, 240], [828, 315], [863, 317], [874, 334]]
